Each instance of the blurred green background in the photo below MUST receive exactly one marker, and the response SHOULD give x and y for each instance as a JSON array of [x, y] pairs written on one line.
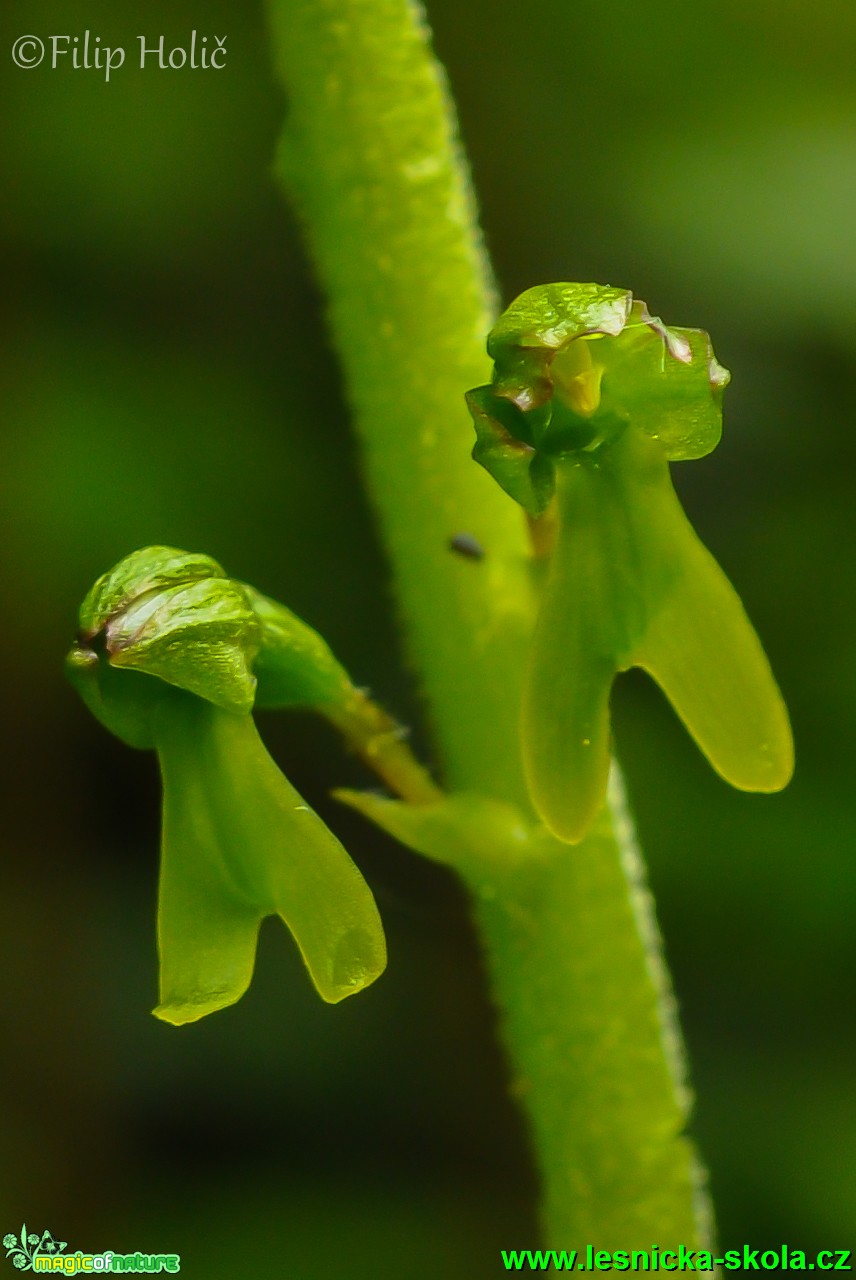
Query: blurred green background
[[166, 378]]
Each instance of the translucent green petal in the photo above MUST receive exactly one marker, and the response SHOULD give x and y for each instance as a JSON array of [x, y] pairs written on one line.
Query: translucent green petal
[[240, 844], [566, 733], [123, 701], [673, 394], [592, 615], [632, 585], [503, 447]]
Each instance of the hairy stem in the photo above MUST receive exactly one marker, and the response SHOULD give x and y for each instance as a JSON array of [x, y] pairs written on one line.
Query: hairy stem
[[371, 159], [380, 742]]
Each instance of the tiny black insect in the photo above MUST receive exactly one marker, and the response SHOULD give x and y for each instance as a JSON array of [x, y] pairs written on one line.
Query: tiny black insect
[[466, 545]]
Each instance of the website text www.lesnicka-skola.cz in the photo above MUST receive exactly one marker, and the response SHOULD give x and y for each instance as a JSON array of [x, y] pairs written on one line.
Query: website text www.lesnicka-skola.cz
[[681, 1259]]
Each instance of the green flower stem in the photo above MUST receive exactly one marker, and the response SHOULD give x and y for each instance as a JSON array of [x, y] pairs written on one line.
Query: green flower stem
[[380, 742], [597, 1058], [370, 158], [295, 668]]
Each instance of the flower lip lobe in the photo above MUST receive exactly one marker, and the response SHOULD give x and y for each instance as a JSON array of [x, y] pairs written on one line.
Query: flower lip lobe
[[239, 844]]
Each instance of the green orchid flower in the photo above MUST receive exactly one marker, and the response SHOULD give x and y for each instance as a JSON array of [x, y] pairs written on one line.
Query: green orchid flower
[[592, 398], [165, 659]]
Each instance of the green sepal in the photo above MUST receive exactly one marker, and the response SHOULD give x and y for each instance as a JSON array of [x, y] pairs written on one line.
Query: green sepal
[[240, 844], [295, 666], [543, 320], [631, 585], [524, 474], [175, 615], [151, 569], [202, 638]]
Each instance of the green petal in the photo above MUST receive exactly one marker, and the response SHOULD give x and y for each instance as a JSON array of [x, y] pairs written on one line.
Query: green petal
[[671, 390], [240, 844], [206, 933], [123, 701], [502, 447]]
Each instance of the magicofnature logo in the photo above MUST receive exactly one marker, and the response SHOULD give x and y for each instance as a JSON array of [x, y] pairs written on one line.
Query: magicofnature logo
[[33, 1252], [22, 1250]]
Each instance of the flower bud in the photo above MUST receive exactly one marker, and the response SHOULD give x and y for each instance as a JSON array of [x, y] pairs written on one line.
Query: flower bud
[[175, 615], [575, 365]]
